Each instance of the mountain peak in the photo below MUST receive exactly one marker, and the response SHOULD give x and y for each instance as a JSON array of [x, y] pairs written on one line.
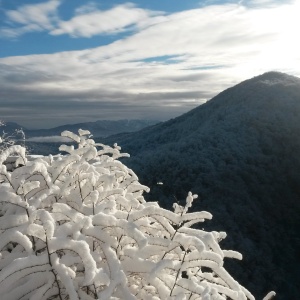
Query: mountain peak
[[275, 90], [274, 78]]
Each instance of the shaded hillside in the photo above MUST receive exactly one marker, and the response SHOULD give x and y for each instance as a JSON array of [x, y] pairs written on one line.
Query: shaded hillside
[[241, 153]]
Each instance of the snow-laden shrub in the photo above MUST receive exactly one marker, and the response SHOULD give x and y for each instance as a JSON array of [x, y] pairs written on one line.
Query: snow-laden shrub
[[9, 139], [78, 227]]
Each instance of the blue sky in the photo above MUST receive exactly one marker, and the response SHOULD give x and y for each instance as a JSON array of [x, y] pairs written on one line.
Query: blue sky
[[69, 61]]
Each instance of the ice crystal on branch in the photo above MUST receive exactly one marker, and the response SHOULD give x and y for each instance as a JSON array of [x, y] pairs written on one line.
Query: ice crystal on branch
[[77, 227]]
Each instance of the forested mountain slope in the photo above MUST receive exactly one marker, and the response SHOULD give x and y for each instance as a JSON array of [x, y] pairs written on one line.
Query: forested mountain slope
[[240, 152]]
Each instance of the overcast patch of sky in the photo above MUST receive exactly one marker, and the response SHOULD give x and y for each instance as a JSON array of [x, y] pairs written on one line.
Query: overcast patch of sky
[[206, 49]]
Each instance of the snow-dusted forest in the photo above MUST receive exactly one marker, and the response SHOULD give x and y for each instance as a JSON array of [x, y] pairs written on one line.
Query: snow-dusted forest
[[240, 152], [77, 226]]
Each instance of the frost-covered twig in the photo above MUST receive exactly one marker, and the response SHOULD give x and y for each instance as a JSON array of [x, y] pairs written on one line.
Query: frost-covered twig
[[8, 140]]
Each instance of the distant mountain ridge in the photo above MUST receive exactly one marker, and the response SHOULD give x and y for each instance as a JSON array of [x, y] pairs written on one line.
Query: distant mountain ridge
[[240, 152], [100, 128]]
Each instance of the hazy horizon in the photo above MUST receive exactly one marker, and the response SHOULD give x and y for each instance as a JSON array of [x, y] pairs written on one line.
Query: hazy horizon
[[3, 122]]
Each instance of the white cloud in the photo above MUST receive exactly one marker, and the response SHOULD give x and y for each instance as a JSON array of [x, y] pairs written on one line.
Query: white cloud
[[96, 22], [15, 32], [86, 8], [39, 13], [87, 22], [264, 3], [29, 18], [246, 40]]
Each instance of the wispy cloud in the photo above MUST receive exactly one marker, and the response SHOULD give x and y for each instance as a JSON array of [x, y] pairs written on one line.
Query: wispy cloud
[[87, 21], [90, 21], [28, 18]]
